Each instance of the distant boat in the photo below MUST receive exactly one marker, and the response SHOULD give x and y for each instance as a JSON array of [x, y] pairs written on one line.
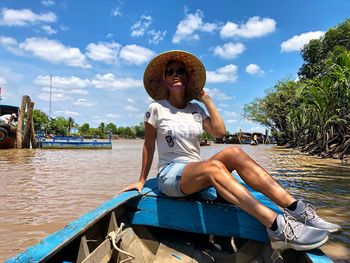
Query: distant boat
[[205, 143], [254, 143], [8, 131], [72, 142], [151, 227]]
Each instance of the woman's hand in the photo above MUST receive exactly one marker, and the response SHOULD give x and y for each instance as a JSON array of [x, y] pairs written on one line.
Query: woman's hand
[[203, 96], [135, 186]]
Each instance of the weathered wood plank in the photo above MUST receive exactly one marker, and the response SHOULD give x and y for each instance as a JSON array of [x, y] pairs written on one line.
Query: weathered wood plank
[[102, 254]]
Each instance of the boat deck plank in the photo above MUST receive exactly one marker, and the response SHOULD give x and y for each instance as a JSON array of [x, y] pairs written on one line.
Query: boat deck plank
[[155, 209]]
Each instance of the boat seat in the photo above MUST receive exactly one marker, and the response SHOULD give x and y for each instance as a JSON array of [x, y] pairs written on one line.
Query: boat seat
[[198, 216]]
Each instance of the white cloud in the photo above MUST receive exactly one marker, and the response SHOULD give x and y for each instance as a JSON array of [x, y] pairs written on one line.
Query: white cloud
[[130, 100], [62, 87], [113, 52], [130, 108], [67, 113], [156, 36], [230, 114], [223, 105], [188, 27], [231, 121], [229, 50], [10, 44], [135, 55], [227, 73], [3, 80], [218, 94], [54, 97], [49, 30], [64, 28], [68, 83], [112, 82], [55, 52], [106, 52], [48, 50], [113, 115], [255, 27], [8, 41], [116, 12], [48, 2], [299, 41], [254, 69], [141, 28], [138, 28], [24, 17], [84, 103]]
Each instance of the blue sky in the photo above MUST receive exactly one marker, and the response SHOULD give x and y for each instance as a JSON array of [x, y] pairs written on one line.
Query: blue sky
[[96, 51]]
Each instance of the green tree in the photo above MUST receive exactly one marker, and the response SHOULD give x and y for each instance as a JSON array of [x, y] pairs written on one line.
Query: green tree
[[111, 127], [140, 130], [101, 130], [70, 124], [315, 53], [272, 110], [59, 126], [84, 128], [41, 120]]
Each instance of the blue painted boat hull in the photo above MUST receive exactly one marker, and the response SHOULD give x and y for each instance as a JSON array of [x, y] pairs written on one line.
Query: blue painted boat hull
[[75, 145], [155, 228]]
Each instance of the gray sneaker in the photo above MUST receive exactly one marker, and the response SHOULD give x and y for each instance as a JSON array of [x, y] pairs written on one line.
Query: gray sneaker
[[295, 235], [306, 214]]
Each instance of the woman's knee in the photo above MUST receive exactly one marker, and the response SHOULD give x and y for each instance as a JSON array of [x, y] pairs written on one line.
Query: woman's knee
[[233, 150], [215, 169]]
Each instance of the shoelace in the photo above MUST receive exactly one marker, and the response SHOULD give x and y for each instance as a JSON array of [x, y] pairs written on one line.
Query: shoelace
[[290, 228], [310, 213]]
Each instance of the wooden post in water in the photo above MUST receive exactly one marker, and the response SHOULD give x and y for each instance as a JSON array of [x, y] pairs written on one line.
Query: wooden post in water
[[266, 137], [26, 137], [20, 121], [32, 134], [239, 136]]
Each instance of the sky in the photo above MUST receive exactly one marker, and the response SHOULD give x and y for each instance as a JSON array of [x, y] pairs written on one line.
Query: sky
[[97, 51]]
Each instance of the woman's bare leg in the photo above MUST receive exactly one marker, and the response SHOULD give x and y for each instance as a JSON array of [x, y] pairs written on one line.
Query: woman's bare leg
[[234, 158], [197, 176]]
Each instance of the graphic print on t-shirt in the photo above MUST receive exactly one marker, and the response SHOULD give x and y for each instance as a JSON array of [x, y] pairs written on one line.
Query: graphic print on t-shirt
[[197, 117]]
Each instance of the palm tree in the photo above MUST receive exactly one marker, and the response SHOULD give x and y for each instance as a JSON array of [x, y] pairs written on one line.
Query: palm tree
[[70, 124]]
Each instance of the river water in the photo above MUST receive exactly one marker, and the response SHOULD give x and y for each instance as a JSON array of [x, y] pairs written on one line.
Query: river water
[[43, 190]]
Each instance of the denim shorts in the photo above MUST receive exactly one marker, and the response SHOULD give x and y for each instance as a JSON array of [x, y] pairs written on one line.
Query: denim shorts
[[169, 179]]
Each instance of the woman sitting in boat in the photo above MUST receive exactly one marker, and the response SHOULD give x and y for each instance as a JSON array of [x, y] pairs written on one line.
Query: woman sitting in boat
[[173, 79]]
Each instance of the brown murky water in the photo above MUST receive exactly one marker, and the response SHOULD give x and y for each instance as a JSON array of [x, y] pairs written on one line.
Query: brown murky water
[[43, 190]]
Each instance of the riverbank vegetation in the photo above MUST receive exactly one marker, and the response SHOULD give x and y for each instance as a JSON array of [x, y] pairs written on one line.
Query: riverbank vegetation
[[67, 126], [313, 112]]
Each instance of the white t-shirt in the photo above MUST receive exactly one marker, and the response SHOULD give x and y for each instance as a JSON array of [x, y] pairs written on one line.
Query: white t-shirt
[[178, 131]]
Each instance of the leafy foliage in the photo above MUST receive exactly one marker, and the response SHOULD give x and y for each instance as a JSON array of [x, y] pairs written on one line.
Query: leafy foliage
[[314, 112]]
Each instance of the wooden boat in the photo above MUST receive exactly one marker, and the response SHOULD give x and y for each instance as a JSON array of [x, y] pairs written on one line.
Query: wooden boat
[[7, 131], [151, 227], [72, 142], [7, 136]]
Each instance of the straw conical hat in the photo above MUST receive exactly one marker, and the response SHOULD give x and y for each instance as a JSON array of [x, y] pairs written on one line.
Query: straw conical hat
[[154, 74]]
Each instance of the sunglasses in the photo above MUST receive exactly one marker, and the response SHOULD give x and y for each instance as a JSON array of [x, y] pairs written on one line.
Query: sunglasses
[[170, 72]]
